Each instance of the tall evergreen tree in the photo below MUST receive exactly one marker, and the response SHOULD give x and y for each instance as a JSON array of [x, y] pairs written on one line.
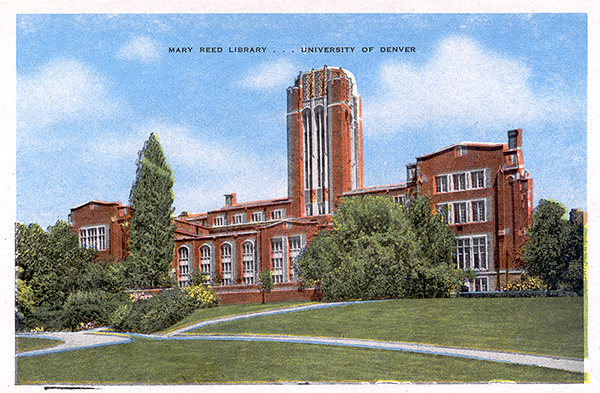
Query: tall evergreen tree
[[152, 233]]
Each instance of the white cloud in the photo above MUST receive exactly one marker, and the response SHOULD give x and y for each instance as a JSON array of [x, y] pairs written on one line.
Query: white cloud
[[205, 168], [141, 49], [63, 89], [270, 75], [462, 85]]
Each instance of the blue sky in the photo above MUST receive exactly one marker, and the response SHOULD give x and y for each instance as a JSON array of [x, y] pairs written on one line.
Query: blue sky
[[91, 88]]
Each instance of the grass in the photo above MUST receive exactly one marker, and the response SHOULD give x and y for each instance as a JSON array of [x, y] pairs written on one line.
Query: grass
[[549, 326], [228, 310], [147, 361], [34, 343]]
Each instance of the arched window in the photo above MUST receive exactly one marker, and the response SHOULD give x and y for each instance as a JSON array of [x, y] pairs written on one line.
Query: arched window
[[185, 276], [249, 263], [227, 264], [205, 261]]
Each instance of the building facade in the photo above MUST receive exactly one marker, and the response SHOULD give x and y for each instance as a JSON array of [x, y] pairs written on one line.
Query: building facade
[[482, 189]]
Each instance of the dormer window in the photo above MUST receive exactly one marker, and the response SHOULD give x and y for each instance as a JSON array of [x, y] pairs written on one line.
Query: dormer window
[[238, 219], [220, 221], [461, 151]]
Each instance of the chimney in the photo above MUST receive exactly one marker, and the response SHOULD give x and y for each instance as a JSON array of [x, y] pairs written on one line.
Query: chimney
[[230, 199], [515, 138]]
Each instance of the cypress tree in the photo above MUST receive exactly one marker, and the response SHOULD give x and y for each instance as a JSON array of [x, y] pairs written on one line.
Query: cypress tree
[[152, 233]]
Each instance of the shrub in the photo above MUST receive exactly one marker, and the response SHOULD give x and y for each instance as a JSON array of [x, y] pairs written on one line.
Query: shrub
[[151, 314], [525, 284], [91, 306], [203, 295]]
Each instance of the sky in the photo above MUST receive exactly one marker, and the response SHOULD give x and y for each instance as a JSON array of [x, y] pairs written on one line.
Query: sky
[[92, 88]]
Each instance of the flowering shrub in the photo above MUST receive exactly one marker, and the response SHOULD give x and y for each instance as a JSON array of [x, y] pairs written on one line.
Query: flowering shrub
[[525, 284], [137, 296], [153, 313], [86, 325], [204, 295]]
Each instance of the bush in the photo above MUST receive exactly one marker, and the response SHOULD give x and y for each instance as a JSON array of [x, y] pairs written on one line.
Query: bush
[[161, 311], [525, 284], [204, 295]]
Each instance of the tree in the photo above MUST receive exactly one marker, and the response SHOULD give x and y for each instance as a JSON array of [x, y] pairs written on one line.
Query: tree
[[554, 251], [266, 282], [380, 249], [152, 233], [49, 263]]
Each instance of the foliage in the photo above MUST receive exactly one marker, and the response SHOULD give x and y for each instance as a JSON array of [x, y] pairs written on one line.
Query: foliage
[[525, 284], [88, 307], [204, 295], [380, 249], [554, 251], [50, 263], [161, 311], [198, 278], [151, 243], [266, 282]]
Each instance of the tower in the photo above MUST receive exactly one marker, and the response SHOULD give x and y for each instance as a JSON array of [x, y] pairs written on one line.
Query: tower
[[324, 131]]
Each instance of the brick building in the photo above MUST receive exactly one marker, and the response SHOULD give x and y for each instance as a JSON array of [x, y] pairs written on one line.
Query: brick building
[[481, 188]]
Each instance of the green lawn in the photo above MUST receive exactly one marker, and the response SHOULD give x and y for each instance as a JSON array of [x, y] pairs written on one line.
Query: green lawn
[[33, 343], [551, 326], [179, 362], [228, 310]]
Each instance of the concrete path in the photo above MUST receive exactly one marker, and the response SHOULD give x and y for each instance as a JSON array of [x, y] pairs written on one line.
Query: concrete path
[[96, 338], [75, 340]]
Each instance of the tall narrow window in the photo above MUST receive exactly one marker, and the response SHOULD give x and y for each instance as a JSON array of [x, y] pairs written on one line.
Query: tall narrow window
[[205, 257], [463, 253], [478, 210], [444, 210], [277, 260], [441, 183], [477, 179], [226, 264], [249, 265], [460, 213], [479, 260], [460, 181], [295, 244], [185, 276]]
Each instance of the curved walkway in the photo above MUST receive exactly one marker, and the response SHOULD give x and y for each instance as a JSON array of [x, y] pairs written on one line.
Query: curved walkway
[[96, 338]]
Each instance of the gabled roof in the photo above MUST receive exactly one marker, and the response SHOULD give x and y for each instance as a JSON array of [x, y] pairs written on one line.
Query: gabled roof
[[468, 144], [99, 203]]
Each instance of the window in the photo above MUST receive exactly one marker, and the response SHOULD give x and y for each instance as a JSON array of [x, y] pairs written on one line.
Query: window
[[461, 151], [444, 210], [441, 183], [295, 243], [277, 214], [277, 260], [460, 213], [463, 212], [220, 221], [205, 257], [471, 252], [258, 216], [477, 179], [478, 210], [184, 267], [463, 253], [479, 260], [481, 284], [94, 237], [248, 260], [238, 219], [226, 264], [401, 199], [460, 181]]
